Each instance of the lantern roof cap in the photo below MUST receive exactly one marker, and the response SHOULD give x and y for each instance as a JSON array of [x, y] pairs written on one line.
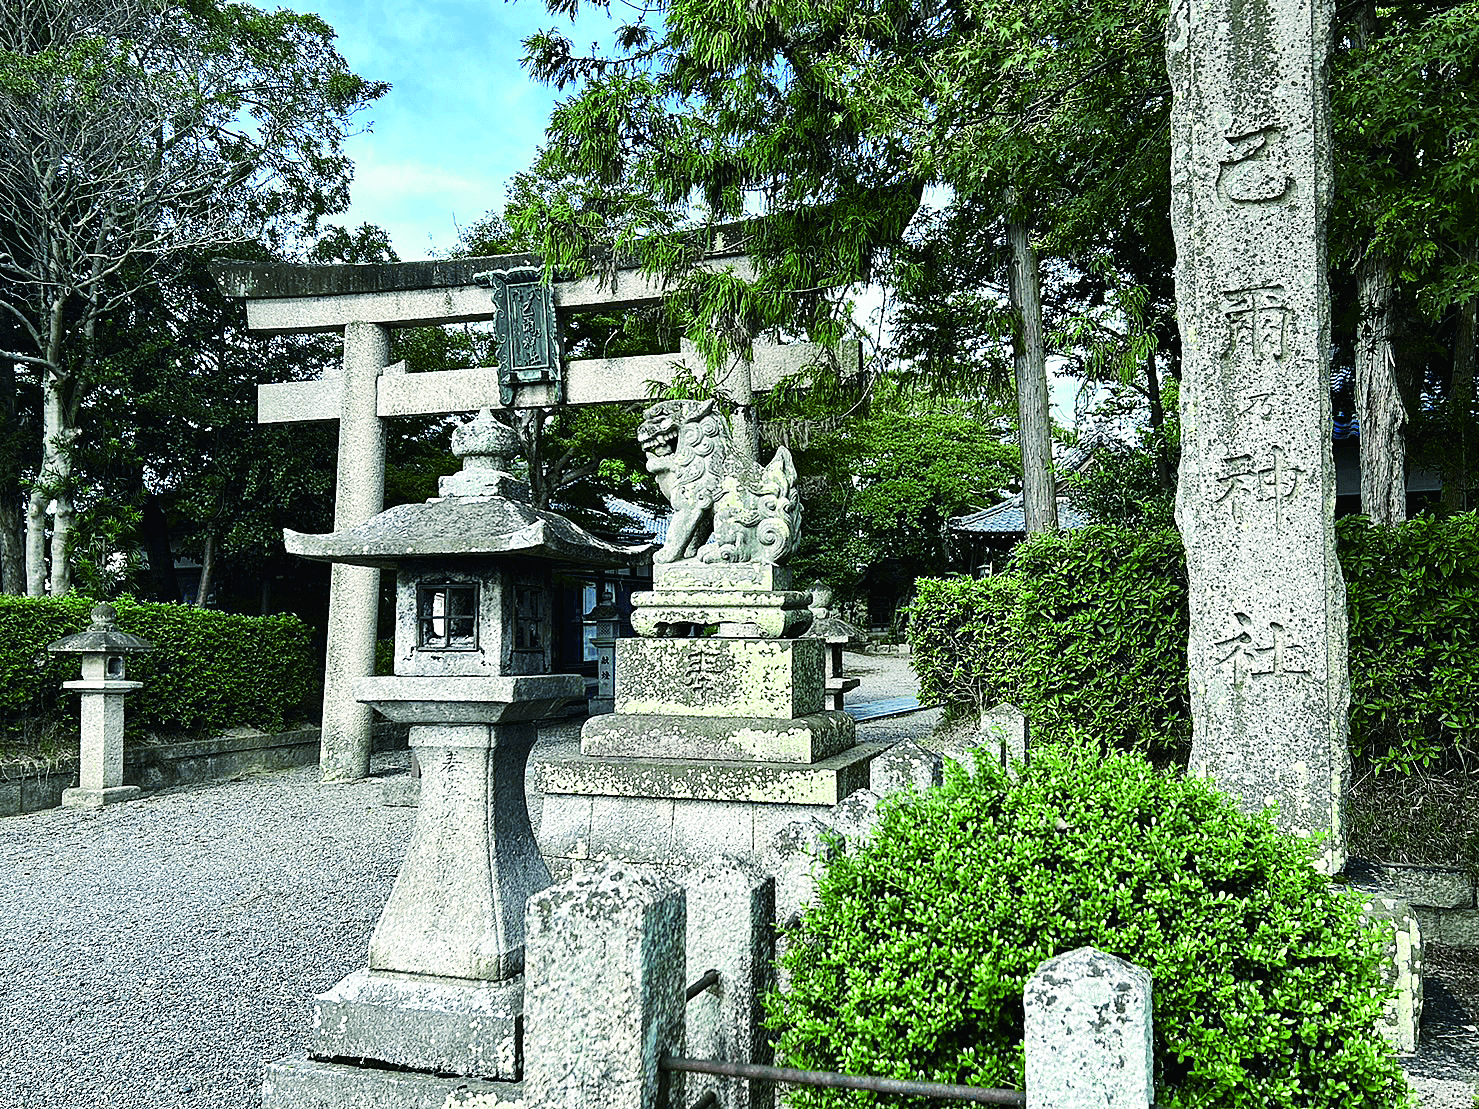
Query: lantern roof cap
[[101, 637]]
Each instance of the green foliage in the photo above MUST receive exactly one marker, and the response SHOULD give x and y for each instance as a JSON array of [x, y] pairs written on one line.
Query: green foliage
[[209, 670], [881, 487], [912, 959], [958, 632], [1414, 629], [1086, 633]]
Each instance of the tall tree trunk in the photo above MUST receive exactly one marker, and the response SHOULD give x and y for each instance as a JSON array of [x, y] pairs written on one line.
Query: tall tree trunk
[[12, 547], [154, 526], [1457, 477], [1378, 404], [1029, 361], [1163, 473], [207, 571]]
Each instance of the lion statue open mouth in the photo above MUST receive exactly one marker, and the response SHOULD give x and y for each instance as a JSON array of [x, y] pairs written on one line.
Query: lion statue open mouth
[[725, 507]]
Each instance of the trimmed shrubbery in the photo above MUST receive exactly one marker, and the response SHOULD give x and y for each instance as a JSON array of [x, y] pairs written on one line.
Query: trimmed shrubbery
[[910, 963], [210, 669], [1086, 632]]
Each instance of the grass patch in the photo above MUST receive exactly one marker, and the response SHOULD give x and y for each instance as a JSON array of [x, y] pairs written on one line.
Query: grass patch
[[1427, 819]]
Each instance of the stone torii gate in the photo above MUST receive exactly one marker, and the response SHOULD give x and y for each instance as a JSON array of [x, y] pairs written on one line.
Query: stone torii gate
[[365, 302]]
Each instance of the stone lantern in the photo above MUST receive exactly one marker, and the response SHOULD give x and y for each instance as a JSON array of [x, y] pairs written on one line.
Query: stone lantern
[[103, 687], [474, 573]]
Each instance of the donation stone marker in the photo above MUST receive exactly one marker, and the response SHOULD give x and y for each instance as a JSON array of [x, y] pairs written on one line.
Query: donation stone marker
[[1250, 183]]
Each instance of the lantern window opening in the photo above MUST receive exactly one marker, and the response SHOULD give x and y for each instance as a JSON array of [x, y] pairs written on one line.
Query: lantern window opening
[[447, 616], [529, 605]]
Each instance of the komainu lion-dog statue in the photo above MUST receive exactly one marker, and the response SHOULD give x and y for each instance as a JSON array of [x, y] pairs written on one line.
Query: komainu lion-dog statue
[[725, 507]]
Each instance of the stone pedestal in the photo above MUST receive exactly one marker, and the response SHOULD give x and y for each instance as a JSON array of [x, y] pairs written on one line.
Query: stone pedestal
[[103, 687], [716, 742], [444, 990]]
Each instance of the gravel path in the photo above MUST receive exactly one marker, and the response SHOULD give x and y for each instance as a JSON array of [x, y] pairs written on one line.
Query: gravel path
[[155, 954]]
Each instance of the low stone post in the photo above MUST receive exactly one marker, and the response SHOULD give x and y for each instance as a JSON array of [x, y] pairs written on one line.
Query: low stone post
[[1088, 1033], [605, 616], [906, 764], [795, 857], [604, 985], [1006, 731], [103, 686], [731, 910]]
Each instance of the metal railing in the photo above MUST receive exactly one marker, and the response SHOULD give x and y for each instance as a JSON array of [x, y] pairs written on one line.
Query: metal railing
[[757, 1072]]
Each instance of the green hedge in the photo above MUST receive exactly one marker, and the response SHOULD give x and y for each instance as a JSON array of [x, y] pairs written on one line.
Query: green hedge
[[209, 670], [1086, 632]]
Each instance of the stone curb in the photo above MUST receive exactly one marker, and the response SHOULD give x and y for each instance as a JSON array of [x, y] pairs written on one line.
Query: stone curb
[[187, 763]]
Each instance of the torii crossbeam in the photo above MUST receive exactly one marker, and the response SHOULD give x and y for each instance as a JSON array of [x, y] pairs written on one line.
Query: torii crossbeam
[[365, 302]]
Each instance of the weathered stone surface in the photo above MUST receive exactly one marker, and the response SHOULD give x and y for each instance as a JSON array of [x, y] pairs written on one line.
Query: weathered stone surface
[[297, 1082], [1401, 971], [821, 783], [429, 701], [1255, 502], [1088, 1033], [604, 993], [795, 856], [855, 816], [806, 739], [438, 1025], [1458, 928], [735, 613], [457, 907], [354, 591], [691, 574], [731, 914], [674, 835], [779, 678], [1428, 887], [905, 765]]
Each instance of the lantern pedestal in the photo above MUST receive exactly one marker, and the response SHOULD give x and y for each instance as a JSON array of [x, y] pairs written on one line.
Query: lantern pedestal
[[103, 687]]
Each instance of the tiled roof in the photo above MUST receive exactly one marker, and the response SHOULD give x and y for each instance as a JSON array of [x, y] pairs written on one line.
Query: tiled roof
[[1007, 518]]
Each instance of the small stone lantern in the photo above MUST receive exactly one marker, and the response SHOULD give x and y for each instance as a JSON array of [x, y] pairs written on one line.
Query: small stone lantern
[[103, 687], [605, 616], [474, 624]]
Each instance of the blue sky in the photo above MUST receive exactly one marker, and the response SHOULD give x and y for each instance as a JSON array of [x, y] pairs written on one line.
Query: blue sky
[[461, 118]]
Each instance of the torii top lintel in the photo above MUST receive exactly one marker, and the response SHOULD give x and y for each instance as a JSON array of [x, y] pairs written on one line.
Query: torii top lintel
[[284, 298]]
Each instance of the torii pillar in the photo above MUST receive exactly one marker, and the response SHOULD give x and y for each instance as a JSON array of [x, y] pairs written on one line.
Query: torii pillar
[[354, 591]]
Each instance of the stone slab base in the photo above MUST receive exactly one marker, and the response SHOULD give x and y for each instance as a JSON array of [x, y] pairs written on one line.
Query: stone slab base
[[298, 1082], [79, 797], [442, 1025], [806, 739], [765, 783], [586, 820]]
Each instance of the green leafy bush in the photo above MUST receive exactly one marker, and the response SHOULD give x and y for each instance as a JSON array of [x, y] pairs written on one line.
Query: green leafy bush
[[1414, 629], [912, 959], [209, 670], [1086, 632]]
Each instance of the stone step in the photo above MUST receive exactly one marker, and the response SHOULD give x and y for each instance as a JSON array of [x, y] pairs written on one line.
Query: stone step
[[297, 1082]]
